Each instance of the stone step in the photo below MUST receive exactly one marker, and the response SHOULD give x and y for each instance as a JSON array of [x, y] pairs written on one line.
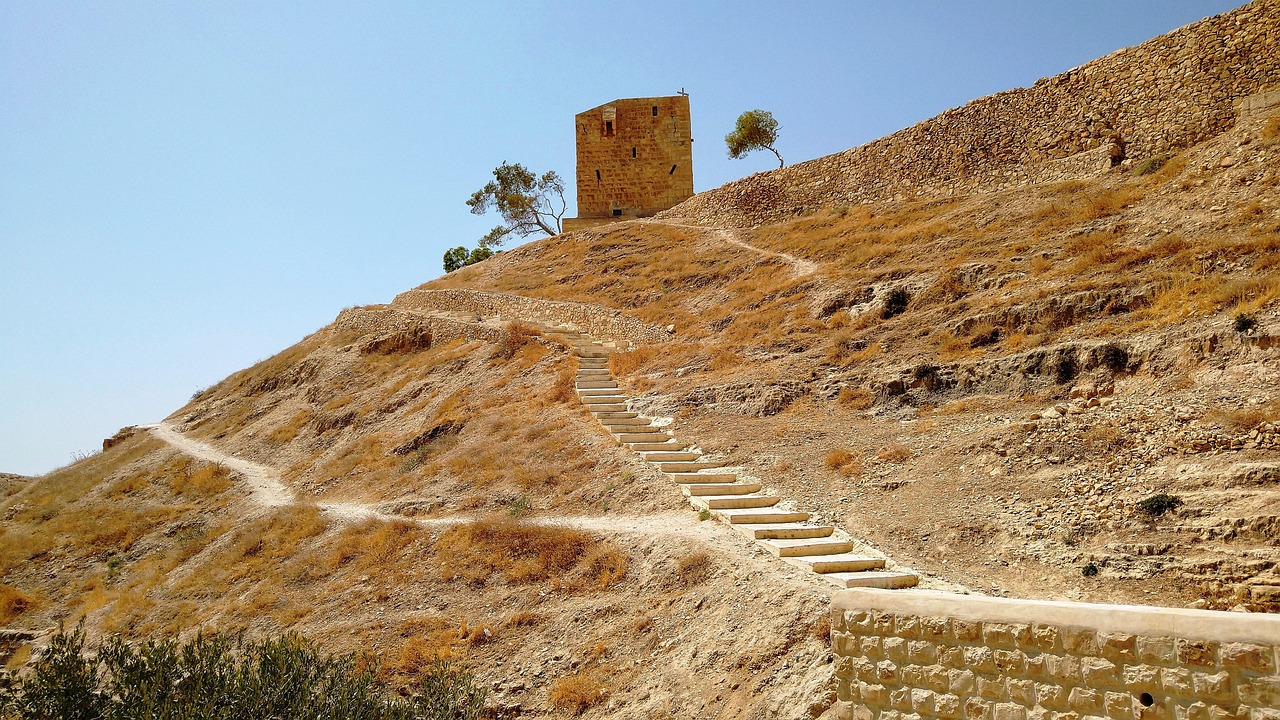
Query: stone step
[[737, 502], [625, 415], [601, 374], [881, 579], [593, 362], [598, 392], [671, 444], [669, 456], [699, 478], [593, 372], [786, 531], [602, 354], [595, 385], [762, 515], [608, 407], [807, 546], [690, 466], [641, 437], [841, 562], [602, 399], [704, 489]]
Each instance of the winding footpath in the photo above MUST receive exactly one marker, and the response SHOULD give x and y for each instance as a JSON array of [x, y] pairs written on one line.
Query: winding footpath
[[799, 266]]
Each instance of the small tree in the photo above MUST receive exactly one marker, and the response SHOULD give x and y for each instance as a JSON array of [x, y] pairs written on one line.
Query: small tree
[[756, 130], [525, 201], [454, 258]]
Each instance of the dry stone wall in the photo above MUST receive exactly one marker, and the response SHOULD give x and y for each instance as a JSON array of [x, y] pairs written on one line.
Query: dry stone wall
[[381, 321], [1166, 94], [599, 322], [909, 656]]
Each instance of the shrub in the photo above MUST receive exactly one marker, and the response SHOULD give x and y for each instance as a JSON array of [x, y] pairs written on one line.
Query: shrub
[[895, 303], [225, 676], [894, 453], [704, 514], [1159, 504], [1244, 322], [1089, 570], [1149, 165], [517, 336]]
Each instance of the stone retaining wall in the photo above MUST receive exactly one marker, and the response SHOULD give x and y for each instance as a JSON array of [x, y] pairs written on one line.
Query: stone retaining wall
[[1166, 94], [599, 322], [909, 655], [380, 321]]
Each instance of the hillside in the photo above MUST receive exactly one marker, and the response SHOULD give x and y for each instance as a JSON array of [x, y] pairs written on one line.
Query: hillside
[[983, 379]]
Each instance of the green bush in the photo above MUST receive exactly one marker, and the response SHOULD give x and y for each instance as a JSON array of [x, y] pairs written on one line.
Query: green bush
[[1244, 322], [1159, 504], [1149, 165], [224, 677]]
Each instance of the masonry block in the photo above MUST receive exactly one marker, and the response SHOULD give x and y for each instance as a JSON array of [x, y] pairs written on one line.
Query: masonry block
[[1099, 673], [1157, 650], [1201, 653], [1118, 647], [1244, 656]]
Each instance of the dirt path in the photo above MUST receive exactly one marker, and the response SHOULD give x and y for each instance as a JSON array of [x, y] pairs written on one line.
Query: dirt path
[[799, 266], [267, 490]]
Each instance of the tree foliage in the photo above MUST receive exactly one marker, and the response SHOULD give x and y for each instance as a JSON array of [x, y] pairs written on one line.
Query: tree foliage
[[527, 203], [455, 258], [755, 130], [224, 677]]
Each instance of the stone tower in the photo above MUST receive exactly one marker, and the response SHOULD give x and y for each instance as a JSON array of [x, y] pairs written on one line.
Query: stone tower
[[635, 158]]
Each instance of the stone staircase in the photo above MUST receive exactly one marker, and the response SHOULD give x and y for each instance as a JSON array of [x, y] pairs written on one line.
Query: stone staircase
[[742, 504]]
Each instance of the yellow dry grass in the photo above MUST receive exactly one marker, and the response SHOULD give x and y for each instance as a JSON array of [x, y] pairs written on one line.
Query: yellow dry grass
[[523, 553]]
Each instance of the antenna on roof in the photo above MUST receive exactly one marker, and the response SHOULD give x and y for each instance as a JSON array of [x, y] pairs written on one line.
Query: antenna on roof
[[682, 92]]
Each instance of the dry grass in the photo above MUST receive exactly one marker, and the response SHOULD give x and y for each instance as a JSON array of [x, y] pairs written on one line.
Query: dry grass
[[13, 603], [208, 479], [523, 553], [518, 335], [694, 568], [894, 453], [378, 545], [563, 389], [855, 398], [843, 461], [821, 629], [580, 691], [1246, 419]]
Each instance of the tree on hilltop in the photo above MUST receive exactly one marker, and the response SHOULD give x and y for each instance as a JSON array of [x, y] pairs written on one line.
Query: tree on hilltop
[[755, 130], [525, 201], [459, 257]]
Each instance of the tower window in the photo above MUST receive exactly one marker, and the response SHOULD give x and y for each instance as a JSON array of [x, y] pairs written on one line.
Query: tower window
[[672, 170], [655, 111], [608, 128], [617, 212], [597, 177], [633, 152]]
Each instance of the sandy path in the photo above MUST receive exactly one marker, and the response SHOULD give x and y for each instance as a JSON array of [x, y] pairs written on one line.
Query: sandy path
[[799, 266], [267, 490]]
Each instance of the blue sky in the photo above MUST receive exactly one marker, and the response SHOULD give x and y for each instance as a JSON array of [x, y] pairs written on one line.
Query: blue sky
[[188, 187]]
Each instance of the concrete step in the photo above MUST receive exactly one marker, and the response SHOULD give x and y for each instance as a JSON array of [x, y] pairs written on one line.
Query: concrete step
[[630, 429], [595, 384], [737, 502], [690, 466], [882, 579], [602, 354], [700, 478], [602, 399], [593, 372], [633, 420], [672, 444], [704, 489], [669, 456], [593, 362], [841, 562], [598, 392], [786, 531], [625, 415], [641, 437], [761, 516], [608, 407], [807, 546]]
